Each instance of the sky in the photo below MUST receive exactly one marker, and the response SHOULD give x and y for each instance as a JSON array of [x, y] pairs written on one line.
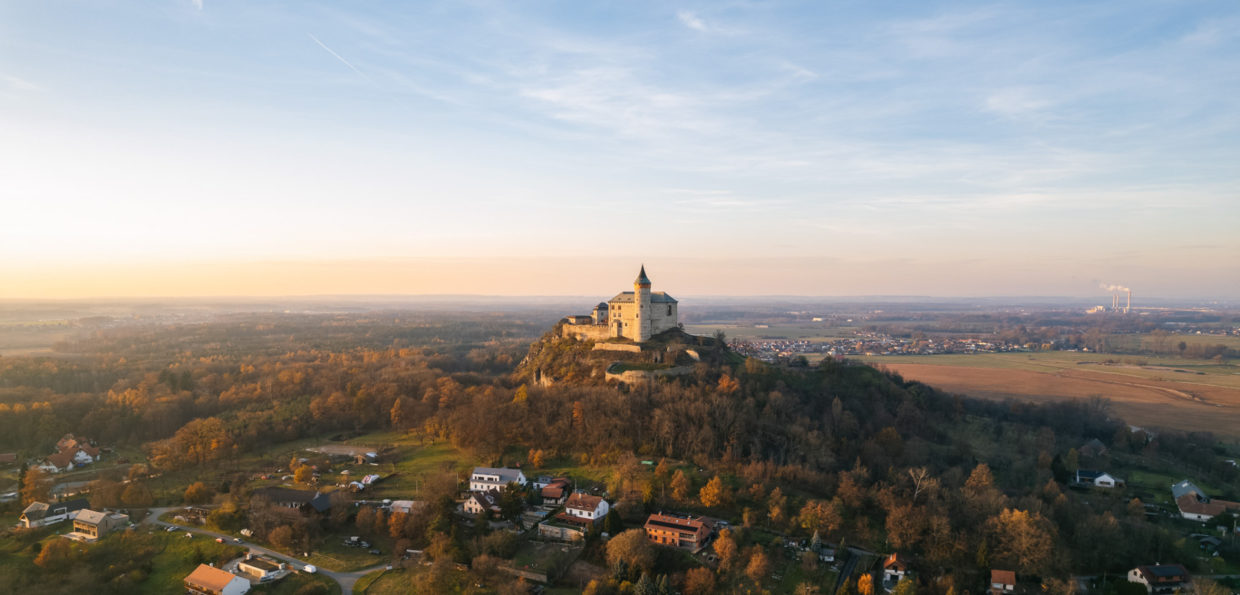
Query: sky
[[209, 148]]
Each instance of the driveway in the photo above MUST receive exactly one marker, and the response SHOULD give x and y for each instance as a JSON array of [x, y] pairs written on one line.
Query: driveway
[[346, 580]]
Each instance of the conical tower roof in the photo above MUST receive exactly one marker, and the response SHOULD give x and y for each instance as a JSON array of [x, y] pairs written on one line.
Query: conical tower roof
[[642, 279]]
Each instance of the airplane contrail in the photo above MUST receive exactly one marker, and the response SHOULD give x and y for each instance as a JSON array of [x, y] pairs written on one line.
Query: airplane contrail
[[338, 56]]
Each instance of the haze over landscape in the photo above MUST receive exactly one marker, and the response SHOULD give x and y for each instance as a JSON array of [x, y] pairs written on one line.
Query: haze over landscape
[[225, 148], [619, 298]]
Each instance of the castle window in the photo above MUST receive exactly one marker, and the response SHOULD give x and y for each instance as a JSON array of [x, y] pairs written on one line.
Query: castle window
[[669, 309]]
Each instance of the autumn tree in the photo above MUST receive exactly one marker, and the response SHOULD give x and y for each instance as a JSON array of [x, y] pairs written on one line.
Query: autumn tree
[[633, 548], [198, 493], [197, 442], [759, 566], [865, 584], [281, 537], [303, 474], [1021, 539], [36, 485], [396, 524], [402, 414], [138, 495], [821, 515], [680, 485], [699, 581], [713, 493], [726, 548], [777, 505], [57, 554]]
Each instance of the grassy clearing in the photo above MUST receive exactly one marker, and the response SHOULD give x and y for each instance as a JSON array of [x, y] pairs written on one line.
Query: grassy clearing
[[180, 556], [399, 581], [536, 556], [334, 555], [299, 582]]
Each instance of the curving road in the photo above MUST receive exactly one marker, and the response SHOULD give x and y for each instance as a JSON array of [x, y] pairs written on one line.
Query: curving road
[[346, 580]]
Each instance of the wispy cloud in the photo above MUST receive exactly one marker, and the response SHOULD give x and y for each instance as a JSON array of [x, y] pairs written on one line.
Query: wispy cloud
[[197, 4], [1016, 101], [338, 57], [691, 20], [18, 84]]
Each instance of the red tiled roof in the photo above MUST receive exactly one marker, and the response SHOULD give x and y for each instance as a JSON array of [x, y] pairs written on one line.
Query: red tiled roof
[[665, 522], [210, 577], [1190, 504], [896, 561], [61, 459], [581, 501], [555, 489], [1002, 577], [575, 520]]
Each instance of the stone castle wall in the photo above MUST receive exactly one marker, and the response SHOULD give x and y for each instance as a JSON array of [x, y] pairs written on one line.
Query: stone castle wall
[[586, 332]]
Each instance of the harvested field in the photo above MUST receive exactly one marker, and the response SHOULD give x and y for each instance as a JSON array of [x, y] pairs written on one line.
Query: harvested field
[[1142, 401]]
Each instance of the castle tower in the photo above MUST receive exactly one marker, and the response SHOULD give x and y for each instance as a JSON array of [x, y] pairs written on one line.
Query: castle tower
[[641, 299]]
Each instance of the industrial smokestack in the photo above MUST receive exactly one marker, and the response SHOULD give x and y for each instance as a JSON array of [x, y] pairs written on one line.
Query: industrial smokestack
[[1129, 306]]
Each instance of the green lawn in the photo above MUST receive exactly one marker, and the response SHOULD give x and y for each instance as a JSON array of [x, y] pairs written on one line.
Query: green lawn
[[334, 555], [299, 583], [537, 556], [170, 557], [180, 556], [398, 581]]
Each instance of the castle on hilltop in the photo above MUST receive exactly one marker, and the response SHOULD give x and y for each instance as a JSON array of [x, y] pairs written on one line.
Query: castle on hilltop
[[637, 315]]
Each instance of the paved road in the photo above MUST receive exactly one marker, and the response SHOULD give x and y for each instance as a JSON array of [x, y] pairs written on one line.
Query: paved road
[[346, 580]]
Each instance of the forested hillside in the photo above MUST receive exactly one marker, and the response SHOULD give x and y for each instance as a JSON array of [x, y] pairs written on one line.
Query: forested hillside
[[841, 448]]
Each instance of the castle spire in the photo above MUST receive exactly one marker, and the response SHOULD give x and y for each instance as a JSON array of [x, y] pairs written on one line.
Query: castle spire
[[642, 279]]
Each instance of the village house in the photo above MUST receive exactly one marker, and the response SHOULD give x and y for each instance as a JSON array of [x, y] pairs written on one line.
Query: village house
[[481, 503], [209, 580], [582, 512], [90, 525], [636, 315], [677, 531], [8, 458], [261, 568], [1195, 505], [585, 506], [1002, 581], [895, 568], [1096, 479], [1162, 579], [70, 452], [41, 514], [492, 478], [304, 501], [555, 492]]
